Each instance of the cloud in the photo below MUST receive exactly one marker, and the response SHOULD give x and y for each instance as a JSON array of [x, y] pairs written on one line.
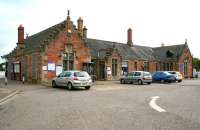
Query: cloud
[[153, 22]]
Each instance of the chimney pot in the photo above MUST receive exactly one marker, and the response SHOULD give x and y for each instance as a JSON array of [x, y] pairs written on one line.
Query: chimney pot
[[129, 35], [20, 34]]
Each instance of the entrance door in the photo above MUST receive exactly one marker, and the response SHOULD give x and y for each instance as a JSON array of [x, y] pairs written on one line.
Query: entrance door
[[102, 70]]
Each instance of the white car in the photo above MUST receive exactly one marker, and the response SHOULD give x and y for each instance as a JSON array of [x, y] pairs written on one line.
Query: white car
[[177, 75], [71, 79]]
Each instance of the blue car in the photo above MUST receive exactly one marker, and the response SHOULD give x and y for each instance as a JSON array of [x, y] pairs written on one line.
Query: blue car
[[163, 76]]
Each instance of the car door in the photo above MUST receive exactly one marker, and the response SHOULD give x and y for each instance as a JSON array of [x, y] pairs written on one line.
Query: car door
[[66, 78], [130, 77], [59, 79], [127, 78], [136, 76]]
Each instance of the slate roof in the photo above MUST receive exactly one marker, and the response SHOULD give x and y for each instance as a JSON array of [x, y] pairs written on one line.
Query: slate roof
[[37, 41], [160, 53], [136, 52]]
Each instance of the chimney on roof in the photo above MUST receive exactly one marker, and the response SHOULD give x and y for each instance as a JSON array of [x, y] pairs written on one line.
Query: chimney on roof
[[80, 25], [186, 41], [84, 32], [129, 37], [20, 34]]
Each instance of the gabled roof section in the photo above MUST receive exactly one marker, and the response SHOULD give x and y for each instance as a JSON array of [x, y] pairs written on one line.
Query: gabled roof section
[[143, 52], [163, 53], [136, 52], [37, 41]]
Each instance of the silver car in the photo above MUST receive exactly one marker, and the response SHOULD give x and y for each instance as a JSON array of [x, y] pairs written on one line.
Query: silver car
[[139, 77], [71, 79]]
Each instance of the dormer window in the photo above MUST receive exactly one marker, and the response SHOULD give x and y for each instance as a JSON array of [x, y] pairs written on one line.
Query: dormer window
[[170, 53]]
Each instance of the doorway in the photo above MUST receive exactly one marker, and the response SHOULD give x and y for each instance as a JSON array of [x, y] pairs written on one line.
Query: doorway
[[101, 70]]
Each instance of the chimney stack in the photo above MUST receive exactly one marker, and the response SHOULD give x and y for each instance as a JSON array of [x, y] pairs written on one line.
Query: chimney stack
[[80, 25], [84, 32], [20, 34], [129, 40]]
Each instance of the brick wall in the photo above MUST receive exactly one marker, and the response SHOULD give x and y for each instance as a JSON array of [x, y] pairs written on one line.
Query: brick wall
[[186, 55], [57, 46]]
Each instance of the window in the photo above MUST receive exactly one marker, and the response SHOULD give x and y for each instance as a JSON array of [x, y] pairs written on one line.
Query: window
[[67, 74], [186, 67], [137, 73], [135, 65], [114, 67], [68, 58], [16, 67], [68, 61], [146, 66], [156, 66]]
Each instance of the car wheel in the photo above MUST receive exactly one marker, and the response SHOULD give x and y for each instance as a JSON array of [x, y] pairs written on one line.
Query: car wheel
[[180, 81], [87, 87], [122, 81], [149, 83], [162, 81], [140, 82], [54, 84], [69, 86]]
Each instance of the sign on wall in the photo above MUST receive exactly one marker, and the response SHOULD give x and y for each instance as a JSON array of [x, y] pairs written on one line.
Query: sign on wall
[[44, 68], [58, 69], [51, 66]]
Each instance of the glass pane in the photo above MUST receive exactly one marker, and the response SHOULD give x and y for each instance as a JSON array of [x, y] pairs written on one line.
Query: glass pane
[[71, 65], [71, 56]]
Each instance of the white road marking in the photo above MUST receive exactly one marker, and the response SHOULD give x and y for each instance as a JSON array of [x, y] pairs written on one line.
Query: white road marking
[[9, 97], [153, 104]]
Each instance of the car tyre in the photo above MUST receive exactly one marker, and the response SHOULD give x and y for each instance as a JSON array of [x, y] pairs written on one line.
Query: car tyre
[[69, 86], [162, 81], [87, 87], [122, 81], [140, 82], [179, 81], [149, 83], [54, 84]]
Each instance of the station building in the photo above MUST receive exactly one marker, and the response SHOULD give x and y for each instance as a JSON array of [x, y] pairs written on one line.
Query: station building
[[65, 46]]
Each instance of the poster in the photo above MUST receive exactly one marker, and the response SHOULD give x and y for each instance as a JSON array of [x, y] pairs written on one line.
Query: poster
[[44, 68], [51, 66], [58, 70]]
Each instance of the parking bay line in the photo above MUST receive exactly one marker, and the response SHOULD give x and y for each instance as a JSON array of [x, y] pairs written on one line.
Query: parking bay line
[[153, 104]]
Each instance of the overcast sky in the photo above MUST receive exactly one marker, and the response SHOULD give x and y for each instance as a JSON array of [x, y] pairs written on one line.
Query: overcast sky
[[153, 21]]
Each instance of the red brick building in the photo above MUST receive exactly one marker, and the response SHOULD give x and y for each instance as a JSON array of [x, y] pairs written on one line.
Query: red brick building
[[64, 46]]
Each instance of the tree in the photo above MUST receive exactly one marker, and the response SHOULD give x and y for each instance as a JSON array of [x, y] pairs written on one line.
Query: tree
[[2, 67], [196, 64]]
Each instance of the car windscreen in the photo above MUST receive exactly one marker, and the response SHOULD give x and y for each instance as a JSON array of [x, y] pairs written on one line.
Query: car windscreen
[[172, 72], [81, 74]]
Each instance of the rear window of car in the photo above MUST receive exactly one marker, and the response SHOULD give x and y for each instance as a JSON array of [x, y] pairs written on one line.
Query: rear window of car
[[172, 72], [81, 74], [137, 74], [147, 74]]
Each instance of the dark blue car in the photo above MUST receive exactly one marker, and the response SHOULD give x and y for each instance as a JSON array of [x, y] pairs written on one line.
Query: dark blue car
[[163, 76]]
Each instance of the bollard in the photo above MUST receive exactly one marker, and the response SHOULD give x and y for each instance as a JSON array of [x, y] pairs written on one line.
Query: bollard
[[6, 81], [23, 79]]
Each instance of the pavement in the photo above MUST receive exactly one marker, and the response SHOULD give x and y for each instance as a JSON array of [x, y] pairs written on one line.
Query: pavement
[[14, 87]]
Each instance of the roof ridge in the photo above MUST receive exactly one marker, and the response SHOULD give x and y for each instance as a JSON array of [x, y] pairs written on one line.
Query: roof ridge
[[38, 33], [169, 46]]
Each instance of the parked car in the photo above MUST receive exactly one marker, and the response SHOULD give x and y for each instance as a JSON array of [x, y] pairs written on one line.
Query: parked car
[[163, 76], [178, 75], [71, 79], [139, 77]]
